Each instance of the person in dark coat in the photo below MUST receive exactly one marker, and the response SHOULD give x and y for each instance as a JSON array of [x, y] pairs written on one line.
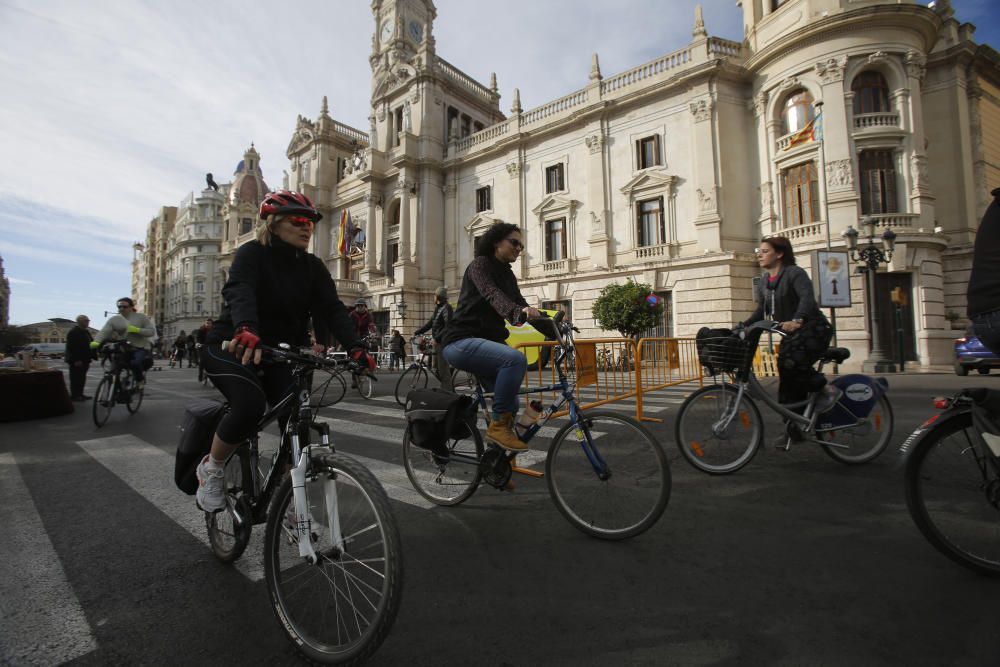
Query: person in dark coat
[[983, 295], [79, 356], [397, 350], [439, 320]]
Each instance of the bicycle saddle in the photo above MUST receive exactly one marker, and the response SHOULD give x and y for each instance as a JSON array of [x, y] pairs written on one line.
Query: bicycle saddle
[[836, 354]]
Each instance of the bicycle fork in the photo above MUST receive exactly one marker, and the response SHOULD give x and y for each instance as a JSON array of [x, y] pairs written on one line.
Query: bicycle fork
[[303, 519]]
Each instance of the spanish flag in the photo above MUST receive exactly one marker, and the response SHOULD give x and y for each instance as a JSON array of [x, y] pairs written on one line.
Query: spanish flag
[[342, 239], [807, 133]]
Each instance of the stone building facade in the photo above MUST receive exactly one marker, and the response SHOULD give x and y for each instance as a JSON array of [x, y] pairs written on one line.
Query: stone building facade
[[671, 172]]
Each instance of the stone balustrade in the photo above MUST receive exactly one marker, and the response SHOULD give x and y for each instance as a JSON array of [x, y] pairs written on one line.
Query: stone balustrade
[[724, 47], [864, 121], [557, 266], [646, 70], [803, 233], [894, 220], [554, 107], [463, 79], [393, 230], [483, 136], [345, 286], [651, 251], [379, 283], [351, 133]]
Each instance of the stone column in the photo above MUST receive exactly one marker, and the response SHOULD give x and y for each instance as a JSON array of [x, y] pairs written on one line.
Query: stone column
[[372, 237], [452, 233], [404, 219], [765, 141], [600, 244], [708, 223], [838, 183], [921, 196]]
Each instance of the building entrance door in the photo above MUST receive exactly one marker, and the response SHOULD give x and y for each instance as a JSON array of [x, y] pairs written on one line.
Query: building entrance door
[[888, 321]]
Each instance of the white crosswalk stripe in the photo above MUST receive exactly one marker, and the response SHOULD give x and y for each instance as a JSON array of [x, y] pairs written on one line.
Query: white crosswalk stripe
[[43, 621]]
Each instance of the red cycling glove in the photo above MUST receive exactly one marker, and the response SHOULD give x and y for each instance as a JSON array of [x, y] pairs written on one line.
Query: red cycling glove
[[246, 337], [361, 356]]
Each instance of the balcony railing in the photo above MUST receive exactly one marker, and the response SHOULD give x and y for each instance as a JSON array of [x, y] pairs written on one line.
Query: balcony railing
[[345, 286], [380, 283], [556, 266], [894, 220], [811, 232], [864, 121], [785, 141], [652, 251], [393, 230]]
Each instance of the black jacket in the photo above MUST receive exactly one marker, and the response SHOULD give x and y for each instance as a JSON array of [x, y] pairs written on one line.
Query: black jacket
[[78, 345], [275, 290], [489, 288], [790, 298], [397, 345], [983, 294], [439, 320]]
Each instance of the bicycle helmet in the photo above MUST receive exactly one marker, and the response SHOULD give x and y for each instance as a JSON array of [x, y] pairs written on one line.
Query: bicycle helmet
[[288, 202]]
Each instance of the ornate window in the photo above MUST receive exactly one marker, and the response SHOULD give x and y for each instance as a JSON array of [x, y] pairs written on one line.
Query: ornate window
[[555, 239], [797, 111], [647, 152], [484, 199], [871, 93], [555, 180], [878, 182], [393, 253], [651, 227], [801, 195]]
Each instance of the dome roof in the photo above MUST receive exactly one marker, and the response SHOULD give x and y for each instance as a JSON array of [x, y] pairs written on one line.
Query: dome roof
[[248, 183]]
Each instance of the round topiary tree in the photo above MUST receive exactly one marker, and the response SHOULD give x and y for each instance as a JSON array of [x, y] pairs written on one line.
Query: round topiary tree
[[629, 309]]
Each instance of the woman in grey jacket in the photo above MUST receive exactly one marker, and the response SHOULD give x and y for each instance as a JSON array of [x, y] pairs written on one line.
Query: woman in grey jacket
[[785, 295]]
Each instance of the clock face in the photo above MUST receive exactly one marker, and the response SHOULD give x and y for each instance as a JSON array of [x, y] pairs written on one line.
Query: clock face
[[416, 31], [386, 32]]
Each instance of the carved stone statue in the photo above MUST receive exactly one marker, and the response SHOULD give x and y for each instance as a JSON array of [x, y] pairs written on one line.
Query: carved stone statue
[[211, 182]]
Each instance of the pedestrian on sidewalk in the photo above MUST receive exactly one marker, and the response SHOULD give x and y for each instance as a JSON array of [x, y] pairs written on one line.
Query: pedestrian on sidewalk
[[397, 350], [78, 357], [983, 294], [443, 313]]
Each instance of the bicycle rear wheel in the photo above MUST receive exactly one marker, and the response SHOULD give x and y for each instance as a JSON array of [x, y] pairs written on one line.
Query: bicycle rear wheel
[[342, 608], [366, 385], [227, 534], [704, 443], [440, 479], [104, 400], [629, 496], [462, 382], [864, 441], [414, 377], [953, 494]]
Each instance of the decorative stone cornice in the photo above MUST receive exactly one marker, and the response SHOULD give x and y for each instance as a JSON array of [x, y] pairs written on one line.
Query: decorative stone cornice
[[702, 109], [878, 57], [595, 143], [916, 64], [831, 70]]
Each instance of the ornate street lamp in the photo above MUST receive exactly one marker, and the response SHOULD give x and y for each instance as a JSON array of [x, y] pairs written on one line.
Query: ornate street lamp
[[870, 256]]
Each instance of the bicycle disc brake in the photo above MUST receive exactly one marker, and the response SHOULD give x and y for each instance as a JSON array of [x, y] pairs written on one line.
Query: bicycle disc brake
[[495, 467]]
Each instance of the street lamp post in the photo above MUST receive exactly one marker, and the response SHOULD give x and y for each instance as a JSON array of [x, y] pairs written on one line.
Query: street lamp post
[[869, 256], [401, 309]]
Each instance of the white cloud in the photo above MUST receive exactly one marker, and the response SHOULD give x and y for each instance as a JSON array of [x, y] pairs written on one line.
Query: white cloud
[[18, 281]]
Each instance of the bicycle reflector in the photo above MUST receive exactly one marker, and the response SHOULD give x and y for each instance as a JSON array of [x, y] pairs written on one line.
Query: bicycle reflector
[[942, 403]]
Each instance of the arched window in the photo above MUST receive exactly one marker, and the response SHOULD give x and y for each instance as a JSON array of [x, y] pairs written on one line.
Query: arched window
[[871, 93], [797, 111]]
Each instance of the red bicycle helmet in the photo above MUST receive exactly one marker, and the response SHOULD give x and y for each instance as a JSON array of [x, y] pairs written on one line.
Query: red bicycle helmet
[[288, 202]]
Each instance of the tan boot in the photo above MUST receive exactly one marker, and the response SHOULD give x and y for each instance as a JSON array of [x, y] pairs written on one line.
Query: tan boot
[[501, 432]]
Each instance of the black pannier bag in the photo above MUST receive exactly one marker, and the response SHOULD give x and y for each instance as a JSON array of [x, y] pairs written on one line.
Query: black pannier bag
[[201, 418], [436, 416], [719, 350]]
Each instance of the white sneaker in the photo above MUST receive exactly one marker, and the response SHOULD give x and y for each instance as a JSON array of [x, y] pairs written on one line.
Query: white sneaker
[[211, 495]]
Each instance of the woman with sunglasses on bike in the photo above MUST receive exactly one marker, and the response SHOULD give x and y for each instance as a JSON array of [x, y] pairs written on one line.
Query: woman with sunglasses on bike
[[785, 295], [275, 288], [474, 338]]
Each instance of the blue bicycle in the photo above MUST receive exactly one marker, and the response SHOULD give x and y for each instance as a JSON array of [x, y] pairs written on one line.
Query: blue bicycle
[[606, 473]]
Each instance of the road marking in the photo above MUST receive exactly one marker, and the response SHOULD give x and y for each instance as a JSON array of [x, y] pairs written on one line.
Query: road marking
[[149, 471], [41, 619]]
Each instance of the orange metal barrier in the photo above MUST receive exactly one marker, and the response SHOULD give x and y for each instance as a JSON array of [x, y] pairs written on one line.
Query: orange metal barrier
[[664, 362]]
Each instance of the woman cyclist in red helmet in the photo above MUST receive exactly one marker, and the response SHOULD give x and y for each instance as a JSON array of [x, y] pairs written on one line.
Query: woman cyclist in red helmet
[[275, 288]]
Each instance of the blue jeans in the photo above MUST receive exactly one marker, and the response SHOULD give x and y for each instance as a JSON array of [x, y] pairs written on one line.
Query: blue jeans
[[138, 362], [495, 364], [987, 329]]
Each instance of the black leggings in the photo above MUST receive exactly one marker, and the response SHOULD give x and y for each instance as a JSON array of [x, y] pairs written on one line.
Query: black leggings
[[249, 390], [798, 352]]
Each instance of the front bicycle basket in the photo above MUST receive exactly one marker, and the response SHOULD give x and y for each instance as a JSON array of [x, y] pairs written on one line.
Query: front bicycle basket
[[722, 351]]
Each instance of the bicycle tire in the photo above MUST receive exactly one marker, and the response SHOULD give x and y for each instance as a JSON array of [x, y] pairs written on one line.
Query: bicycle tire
[[639, 476], [948, 497], [414, 377], [332, 391], [881, 421], [436, 478], [366, 385], [462, 382], [375, 580], [228, 536], [134, 396], [104, 400], [707, 450]]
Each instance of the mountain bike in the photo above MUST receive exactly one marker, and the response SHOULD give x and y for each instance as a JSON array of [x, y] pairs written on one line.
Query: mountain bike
[[719, 427], [418, 375], [606, 473], [332, 558], [117, 385], [952, 482]]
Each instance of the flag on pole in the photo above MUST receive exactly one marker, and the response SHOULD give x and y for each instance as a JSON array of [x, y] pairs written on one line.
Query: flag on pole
[[807, 133], [342, 239], [349, 232]]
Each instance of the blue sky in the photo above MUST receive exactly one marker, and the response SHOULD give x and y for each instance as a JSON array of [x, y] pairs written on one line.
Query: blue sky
[[111, 110]]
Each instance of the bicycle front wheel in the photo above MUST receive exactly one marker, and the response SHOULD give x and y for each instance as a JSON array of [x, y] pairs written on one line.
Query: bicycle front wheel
[[414, 377], [229, 530], [339, 610], [104, 400], [953, 492], [623, 491], [133, 394], [711, 445], [366, 385], [439, 478]]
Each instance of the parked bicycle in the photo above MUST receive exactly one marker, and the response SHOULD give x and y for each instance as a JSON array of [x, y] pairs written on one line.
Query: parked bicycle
[[952, 481], [419, 373], [332, 556], [719, 427], [118, 385], [607, 474]]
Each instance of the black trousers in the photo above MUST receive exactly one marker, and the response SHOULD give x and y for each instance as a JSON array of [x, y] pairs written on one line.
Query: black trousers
[[249, 390], [77, 378], [798, 352], [443, 369]]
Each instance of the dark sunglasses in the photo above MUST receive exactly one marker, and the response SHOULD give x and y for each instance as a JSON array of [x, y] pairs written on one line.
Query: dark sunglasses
[[514, 242], [300, 222]]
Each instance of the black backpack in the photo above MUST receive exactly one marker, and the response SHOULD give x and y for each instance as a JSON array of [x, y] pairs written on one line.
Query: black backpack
[[201, 418], [436, 416]]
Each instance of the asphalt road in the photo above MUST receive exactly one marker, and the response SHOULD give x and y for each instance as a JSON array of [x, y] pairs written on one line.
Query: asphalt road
[[794, 560]]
